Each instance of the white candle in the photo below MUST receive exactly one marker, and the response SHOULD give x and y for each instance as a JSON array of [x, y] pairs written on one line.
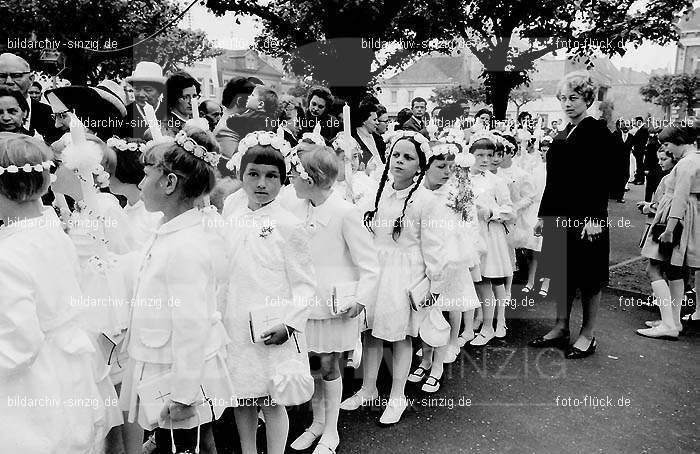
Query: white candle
[[152, 121], [317, 128], [346, 120], [87, 181], [195, 108]]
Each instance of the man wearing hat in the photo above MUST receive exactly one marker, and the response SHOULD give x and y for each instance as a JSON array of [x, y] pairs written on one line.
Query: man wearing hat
[[16, 74], [148, 83]]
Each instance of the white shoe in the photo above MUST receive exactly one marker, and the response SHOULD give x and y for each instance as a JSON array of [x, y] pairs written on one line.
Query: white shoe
[[464, 338], [393, 411], [357, 400], [451, 354], [659, 332], [482, 339], [654, 323], [500, 331], [304, 441]]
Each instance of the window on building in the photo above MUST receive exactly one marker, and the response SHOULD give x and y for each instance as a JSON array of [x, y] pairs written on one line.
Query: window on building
[[394, 97]]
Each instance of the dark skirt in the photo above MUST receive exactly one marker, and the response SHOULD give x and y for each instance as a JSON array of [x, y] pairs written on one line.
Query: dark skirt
[[571, 261]]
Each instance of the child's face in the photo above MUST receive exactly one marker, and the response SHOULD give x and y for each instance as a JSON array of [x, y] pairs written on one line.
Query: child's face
[[496, 160], [482, 159], [439, 172], [405, 163], [665, 161], [261, 183], [154, 188]]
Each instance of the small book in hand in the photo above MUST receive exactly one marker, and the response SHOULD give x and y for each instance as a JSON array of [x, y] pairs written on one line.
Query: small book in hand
[[344, 296], [418, 294], [264, 319]]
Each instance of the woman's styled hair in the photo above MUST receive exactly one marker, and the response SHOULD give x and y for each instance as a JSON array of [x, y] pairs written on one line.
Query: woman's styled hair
[[364, 111], [678, 135], [197, 176], [321, 92], [129, 168], [18, 150], [483, 111], [21, 100], [579, 82], [423, 165], [266, 155], [381, 110], [176, 84], [321, 165]]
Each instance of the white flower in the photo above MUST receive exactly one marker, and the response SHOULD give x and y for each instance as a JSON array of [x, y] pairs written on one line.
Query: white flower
[[12, 169], [264, 139], [133, 146], [112, 142], [27, 168], [38, 168], [189, 146], [197, 152]]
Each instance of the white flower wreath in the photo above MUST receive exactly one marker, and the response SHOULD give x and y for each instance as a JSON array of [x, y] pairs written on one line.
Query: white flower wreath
[[464, 159], [295, 162], [122, 145], [262, 138], [46, 165], [316, 138], [189, 145], [418, 137], [482, 134]]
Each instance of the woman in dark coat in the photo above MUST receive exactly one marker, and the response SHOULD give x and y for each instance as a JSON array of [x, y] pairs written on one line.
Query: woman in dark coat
[[573, 216]]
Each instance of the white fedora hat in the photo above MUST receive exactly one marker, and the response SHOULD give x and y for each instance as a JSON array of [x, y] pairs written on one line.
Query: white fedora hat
[[147, 71]]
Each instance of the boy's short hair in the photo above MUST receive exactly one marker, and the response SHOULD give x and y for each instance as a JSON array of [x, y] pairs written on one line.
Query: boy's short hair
[[321, 165]]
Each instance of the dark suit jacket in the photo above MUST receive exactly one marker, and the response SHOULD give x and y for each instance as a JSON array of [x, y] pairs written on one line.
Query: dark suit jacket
[[135, 125], [366, 153], [415, 125], [640, 140], [577, 173], [42, 122]]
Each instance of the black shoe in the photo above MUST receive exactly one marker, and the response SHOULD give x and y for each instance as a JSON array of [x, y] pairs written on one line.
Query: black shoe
[[560, 341], [575, 353]]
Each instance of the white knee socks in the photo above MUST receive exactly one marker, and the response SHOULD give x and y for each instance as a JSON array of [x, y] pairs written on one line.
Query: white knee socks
[[332, 393], [663, 295]]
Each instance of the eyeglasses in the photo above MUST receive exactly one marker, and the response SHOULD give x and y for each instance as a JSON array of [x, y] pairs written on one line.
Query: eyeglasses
[[189, 97], [13, 76], [60, 115], [572, 98]]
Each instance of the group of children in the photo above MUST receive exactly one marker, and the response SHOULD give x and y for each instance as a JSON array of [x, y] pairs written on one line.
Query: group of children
[[182, 311]]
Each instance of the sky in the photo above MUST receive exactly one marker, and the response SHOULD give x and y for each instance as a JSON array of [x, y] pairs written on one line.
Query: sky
[[225, 33]]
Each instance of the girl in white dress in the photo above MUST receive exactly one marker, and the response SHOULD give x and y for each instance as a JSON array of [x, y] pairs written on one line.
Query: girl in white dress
[[409, 239], [343, 252], [450, 182], [271, 275], [174, 327], [46, 356], [128, 173], [523, 196], [494, 210]]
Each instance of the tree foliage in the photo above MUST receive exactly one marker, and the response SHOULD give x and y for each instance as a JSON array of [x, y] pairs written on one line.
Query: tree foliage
[[488, 28], [475, 94], [89, 31], [343, 43], [680, 90], [521, 96]]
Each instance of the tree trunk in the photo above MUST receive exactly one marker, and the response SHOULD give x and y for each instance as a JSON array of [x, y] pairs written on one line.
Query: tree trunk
[[351, 95], [499, 93]]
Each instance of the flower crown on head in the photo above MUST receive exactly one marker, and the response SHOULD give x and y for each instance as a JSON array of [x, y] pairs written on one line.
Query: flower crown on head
[[464, 159], [123, 145], [338, 142], [262, 138], [189, 145], [87, 157], [293, 161], [45, 165], [416, 136], [314, 137], [482, 134], [500, 140]]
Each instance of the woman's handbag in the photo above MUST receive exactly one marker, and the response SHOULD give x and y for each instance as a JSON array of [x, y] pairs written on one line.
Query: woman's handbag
[[292, 383]]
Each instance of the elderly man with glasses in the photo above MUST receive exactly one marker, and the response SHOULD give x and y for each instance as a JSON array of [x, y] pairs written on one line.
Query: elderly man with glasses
[[16, 74]]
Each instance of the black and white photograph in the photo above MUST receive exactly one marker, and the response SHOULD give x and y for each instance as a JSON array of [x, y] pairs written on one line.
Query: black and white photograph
[[349, 226]]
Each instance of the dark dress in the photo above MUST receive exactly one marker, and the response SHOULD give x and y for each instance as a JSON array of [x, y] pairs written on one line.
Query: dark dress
[[366, 152], [620, 165], [576, 190]]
